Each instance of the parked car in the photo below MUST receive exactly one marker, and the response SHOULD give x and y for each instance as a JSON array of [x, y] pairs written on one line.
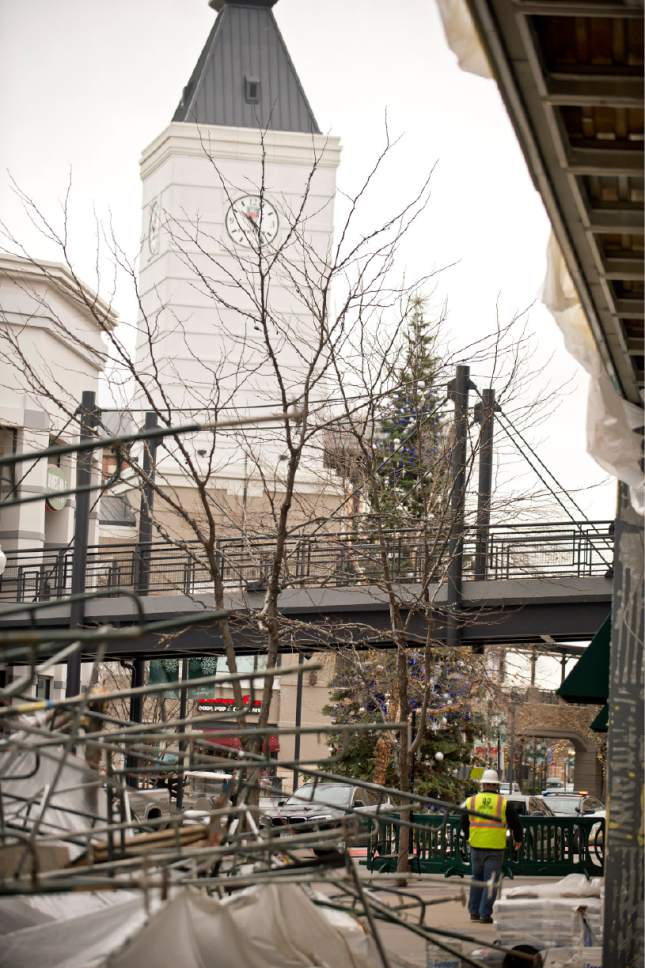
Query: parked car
[[322, 805], [578, 804], [505, 788], [555, 785], [530, 806], [203, 788]]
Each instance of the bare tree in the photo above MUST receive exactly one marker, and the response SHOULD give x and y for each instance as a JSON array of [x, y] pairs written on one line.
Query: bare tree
[[334, 380]]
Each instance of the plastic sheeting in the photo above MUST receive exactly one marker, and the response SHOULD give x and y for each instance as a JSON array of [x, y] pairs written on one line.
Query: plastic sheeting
[[32, 909], [579, 957], [268, 926], [83, 941], [611, 420], [567, 913], [573, 885], [462, 37], [554, 922], [26, 774]]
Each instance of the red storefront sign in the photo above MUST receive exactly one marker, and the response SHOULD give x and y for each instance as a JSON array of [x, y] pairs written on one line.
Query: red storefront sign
[[217, 733]]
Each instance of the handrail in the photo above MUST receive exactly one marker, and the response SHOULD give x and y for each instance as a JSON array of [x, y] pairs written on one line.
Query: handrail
[[542, 550]]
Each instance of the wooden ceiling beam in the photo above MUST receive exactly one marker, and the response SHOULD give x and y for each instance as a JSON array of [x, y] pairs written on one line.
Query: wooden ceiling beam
[[576, 8], [599, 161], [631, 308], [617, 92], [631, 270], [615, 220]]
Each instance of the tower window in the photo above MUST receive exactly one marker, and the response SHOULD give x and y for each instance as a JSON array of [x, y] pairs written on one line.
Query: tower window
[[251, 90]]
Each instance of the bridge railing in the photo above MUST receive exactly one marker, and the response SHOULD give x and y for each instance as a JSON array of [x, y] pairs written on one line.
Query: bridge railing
[[551, 846], [340, 558]]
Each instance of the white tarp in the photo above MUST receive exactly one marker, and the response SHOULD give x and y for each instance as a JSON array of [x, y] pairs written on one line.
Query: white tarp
[[611, 420], [83, 941], [27, 910], [579, 957], [268, 926], [27, 774], [548, 922], [462, 37], [564, 913], [573, 885]]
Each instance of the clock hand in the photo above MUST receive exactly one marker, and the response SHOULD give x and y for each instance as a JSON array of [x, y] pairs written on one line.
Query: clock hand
[[253, 223]]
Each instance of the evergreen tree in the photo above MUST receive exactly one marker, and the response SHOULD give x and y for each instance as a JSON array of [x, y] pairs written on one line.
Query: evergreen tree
[[363, 693], [412, 487], [411, 430]]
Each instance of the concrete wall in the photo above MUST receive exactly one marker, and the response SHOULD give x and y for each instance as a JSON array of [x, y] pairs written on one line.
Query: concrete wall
[[51, 350], [209, 351]]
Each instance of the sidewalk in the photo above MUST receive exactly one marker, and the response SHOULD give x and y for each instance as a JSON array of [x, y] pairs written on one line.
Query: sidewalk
[[449, 916]]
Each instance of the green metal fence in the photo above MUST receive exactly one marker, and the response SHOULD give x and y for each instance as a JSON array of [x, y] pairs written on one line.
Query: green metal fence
[[551, 846]]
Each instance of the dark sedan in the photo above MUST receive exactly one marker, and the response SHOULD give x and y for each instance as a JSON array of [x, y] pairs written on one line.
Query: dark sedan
[[322, 805]]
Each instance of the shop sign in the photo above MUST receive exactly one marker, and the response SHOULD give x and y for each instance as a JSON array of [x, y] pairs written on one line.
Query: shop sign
[[56, 481], [228, 703]]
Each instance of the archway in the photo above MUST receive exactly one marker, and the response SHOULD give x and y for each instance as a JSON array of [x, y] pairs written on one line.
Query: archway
[[558, 721]]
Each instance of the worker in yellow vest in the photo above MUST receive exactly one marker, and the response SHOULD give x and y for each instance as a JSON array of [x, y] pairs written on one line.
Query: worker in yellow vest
[[487, 838]]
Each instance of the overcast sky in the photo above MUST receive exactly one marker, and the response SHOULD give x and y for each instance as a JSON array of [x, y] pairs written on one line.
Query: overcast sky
[[87, 85]]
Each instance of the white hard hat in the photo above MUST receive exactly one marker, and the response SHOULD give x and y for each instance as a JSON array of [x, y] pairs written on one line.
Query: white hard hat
[[489, 776]]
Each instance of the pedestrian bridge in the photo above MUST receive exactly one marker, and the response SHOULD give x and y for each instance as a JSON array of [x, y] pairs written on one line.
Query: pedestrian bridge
[[549, 581]]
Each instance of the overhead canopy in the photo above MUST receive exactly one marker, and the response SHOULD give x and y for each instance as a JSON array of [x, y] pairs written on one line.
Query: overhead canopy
[[571, 75], [588, 681]]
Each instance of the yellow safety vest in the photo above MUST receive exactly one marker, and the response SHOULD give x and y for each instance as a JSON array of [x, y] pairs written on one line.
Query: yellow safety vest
[[487, 834]]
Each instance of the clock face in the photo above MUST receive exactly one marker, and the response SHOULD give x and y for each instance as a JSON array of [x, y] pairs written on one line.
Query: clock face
[[252, 220]]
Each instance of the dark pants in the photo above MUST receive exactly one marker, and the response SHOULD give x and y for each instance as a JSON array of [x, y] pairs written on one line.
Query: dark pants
[[485, 864]]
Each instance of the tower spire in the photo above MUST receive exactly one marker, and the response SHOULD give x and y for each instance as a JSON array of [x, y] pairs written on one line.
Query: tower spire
[[244, 76]]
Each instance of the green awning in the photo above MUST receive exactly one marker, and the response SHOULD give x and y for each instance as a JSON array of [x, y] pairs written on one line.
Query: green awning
[[601, 721], [588, 681]]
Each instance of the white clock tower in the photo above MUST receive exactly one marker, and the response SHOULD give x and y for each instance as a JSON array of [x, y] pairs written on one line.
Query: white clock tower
[[224, 180]]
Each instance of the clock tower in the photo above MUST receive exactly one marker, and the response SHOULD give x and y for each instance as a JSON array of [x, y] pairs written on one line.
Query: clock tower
[[241, 162]]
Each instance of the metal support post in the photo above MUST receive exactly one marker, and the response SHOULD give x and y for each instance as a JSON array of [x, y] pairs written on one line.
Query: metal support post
[[137, 679], [89, 416], [298, 723], [142, 578], [623, 908], [485, 416], [458, 393], [183, 706], [511, 749], [146, 506], [413, 733]]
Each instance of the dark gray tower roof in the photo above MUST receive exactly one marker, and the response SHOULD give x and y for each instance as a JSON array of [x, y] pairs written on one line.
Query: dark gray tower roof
[[244, 76]]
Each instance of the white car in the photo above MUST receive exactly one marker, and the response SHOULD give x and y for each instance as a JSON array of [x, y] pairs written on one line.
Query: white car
[[505, 788]]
